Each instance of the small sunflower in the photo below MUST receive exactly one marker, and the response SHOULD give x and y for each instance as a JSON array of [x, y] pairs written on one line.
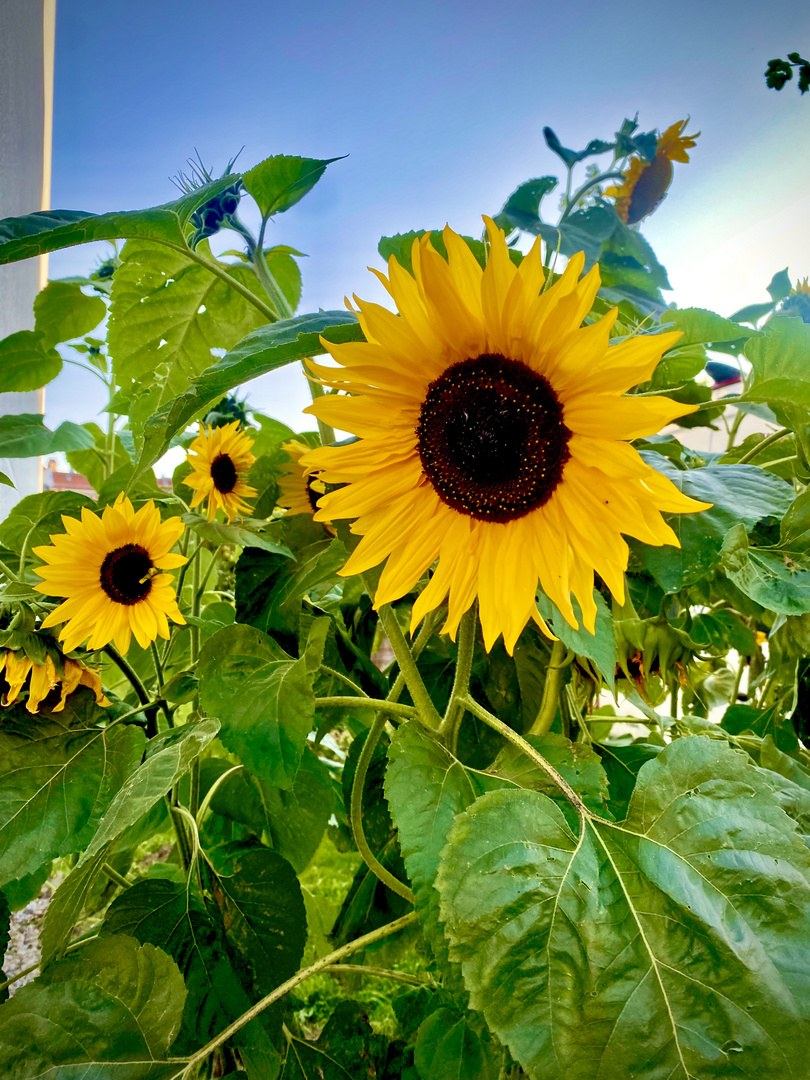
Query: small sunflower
[[220, 458], [300, 487], [646, 182], [16, 667], [107, 568], [797, 302], [493, 433]]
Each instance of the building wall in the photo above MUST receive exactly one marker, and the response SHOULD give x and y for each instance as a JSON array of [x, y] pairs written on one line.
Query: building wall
[[26, 110]]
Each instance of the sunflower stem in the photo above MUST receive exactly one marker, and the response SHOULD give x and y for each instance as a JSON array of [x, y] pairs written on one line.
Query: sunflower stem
[[407, 664], [408, 712], [586, 187], [530, 752], [269, 284], [300, 976], [378, 973], [551, 691], [763, 444], [448, 731], [325, 670], [356, 810], [8, 573], [327, 432], [194, 649], [113, 875], [149, 711]]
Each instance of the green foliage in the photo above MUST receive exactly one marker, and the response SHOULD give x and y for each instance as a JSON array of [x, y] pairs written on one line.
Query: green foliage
[[63, 312], [25, 435], [279, 182], [27, 362]]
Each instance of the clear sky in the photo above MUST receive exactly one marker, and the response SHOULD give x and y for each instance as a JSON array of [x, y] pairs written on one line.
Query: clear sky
[[440, 107]]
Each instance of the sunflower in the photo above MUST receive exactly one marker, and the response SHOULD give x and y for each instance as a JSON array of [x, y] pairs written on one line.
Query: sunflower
[[646, 182], [300, 487], [797, 302], [492, 438], [16, 667], [107, 568], [220, 458]]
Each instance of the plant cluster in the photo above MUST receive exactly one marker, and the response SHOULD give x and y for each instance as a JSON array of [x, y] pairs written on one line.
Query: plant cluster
[[472, 745]]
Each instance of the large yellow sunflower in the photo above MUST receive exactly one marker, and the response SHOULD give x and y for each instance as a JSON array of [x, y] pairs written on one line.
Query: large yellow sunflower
[[492, 437], [16, 667], [107, 568], [300, 487], [646, 182], [220, 458]]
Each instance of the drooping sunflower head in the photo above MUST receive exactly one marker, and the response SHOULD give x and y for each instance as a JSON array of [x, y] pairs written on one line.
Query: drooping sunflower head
[[300, 486], [493, 438], [220, 458], [797, 303], [108, 569], [646, 182], [802, 286], [16, 666]]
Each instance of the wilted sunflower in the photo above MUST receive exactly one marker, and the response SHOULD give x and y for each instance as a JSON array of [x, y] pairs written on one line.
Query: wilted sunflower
[[491, 438], [221, 458], [107, 568], [646, 182], [300, 486], [16, 667]]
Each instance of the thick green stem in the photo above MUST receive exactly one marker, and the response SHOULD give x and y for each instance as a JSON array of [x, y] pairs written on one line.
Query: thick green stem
[[407, 664], [551, 691], [377, 973], [530, 752], [461, 682], [571, 203], [326, 670], [8, 573], [327, 432], [356, 810], [277, 298], [306, 973], [149, 712], [738, 680], [113, 875], [763, 444], [408, 712], [717, 402]]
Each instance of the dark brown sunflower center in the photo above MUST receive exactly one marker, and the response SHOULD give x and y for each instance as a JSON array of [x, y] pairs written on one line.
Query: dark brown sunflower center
[[125, 574], [223, 473], [491, 438]]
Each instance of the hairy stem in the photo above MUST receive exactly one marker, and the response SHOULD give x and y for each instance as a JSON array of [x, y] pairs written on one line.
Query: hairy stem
[[763, 444], [408, 712], [113, 875], [551, 691], [461, 681], [378, 973], [327, 432], [306, 973], [530, 752], [8, 573], [326, 670], [149, 712]]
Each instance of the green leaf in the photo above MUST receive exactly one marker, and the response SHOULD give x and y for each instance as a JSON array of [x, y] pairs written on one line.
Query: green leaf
[[622, 765], [92, 464], [769, 576], [54, 787], [701, 327], [780, 286], [295, 820], [279, 182], [265, 349], [164, 914], [523, 205], [63, 312], [51, 230], [347, 1048], [25, 435], [740, 494], [426, 787], [263, 909], [36, 517], [599, 647], [780, 369], [447, 1048], [248, 533], [7, 481], [752, 313], [168, 313], [67, 905], [27, 362], [680, 936], [263, 698], [109, 1011], [168, 757], [286, 272], [578, 763]]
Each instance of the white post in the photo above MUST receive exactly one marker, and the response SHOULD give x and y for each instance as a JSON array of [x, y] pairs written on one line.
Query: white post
[[27, 33]]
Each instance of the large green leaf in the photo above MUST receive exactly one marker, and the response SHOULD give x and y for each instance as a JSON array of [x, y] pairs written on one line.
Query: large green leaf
[[165, 914], [599, 646], [769, 576], [110, 1011], [248, 533], [426, 787], [347, 1048], [51, 230], [27, 362], [169, 312], [63, 312], [701, 327], [739, 494], [279, 182], [578, 763], [265, 349], [25, 435], [168, 757], [673, 944], [295, 820], [263, 910], [263, 699], [67, 905], [780, 369], [36, 518], [54, 787], [448, 1048]]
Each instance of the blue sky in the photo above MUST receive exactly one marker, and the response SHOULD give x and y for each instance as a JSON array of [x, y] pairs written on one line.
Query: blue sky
[[440, 108]]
